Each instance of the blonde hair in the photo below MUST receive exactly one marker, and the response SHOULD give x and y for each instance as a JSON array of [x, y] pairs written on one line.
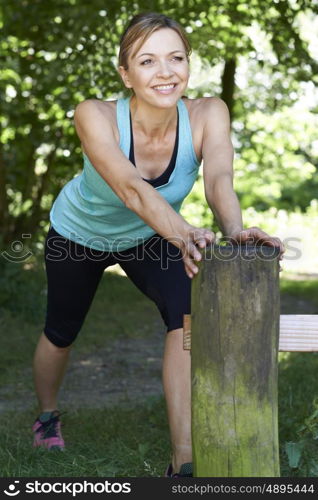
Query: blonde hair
[[141, 27]]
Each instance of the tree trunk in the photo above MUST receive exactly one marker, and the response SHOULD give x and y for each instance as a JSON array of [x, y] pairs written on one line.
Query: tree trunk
[[235, 334], [228, 84], [3, 196]]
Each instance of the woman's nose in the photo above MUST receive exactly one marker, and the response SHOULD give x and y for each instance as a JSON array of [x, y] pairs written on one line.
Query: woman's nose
[[164, 69]]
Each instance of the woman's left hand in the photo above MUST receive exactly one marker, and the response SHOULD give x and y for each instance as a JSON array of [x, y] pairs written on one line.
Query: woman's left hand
[[254, 235]]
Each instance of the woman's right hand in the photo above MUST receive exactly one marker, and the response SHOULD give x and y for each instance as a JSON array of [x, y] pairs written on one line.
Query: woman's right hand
[[193, 239]]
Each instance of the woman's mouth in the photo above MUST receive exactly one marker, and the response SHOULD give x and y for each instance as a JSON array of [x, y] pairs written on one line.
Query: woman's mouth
[[165, 88]]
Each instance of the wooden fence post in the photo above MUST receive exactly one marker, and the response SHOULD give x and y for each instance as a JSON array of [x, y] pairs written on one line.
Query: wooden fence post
[[234, 351]]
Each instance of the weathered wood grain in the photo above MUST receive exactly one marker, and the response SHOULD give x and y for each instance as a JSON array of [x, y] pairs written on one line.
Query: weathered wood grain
[[234, 349]]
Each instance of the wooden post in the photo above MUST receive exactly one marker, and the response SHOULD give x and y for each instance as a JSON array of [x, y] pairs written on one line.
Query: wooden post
[[234, 347]]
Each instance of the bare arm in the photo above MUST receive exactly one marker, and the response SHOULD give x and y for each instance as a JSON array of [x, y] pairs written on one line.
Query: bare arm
[[98, 139], [218, 178], [217, 151]]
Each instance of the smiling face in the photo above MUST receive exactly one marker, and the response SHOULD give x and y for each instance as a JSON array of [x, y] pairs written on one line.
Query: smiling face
[[159, 71]]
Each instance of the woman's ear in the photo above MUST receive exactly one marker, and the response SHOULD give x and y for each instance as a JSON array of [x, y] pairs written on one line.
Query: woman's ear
[[124, 75]]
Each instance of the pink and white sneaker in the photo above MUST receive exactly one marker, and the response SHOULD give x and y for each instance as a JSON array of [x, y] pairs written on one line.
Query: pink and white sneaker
[[47, 431]]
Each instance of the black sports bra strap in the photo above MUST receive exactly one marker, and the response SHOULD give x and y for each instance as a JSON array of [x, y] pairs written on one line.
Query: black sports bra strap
[[165, 176]]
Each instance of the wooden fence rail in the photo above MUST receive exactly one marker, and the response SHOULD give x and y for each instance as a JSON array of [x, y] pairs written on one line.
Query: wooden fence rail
[[297, 332]]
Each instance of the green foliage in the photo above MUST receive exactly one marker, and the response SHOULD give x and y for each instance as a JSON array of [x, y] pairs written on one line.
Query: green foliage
[[300, 288], [58, 54], [195, 209], [297, 230], [22, 292], [276, 162], [294, 451]]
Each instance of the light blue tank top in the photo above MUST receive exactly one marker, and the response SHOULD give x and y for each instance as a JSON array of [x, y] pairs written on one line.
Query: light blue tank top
[[89, 212]]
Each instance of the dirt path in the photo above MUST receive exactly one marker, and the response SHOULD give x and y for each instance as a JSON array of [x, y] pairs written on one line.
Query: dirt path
[[127, 370], [124, 371]]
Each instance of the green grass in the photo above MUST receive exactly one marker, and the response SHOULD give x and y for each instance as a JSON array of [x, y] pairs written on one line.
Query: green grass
[[298, 415], [306, 289], [132, 441], [110, 443]]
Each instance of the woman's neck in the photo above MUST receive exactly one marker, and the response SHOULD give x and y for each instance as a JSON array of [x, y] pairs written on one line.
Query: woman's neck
[[153, 123]]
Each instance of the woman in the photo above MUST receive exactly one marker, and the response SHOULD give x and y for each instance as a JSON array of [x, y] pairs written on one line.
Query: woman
[[141, 159]]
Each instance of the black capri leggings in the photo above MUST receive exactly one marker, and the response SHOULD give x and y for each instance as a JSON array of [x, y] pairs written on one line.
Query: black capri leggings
[[74, 271]]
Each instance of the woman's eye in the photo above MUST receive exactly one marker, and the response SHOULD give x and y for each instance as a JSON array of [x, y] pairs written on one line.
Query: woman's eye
[[146, 62]]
